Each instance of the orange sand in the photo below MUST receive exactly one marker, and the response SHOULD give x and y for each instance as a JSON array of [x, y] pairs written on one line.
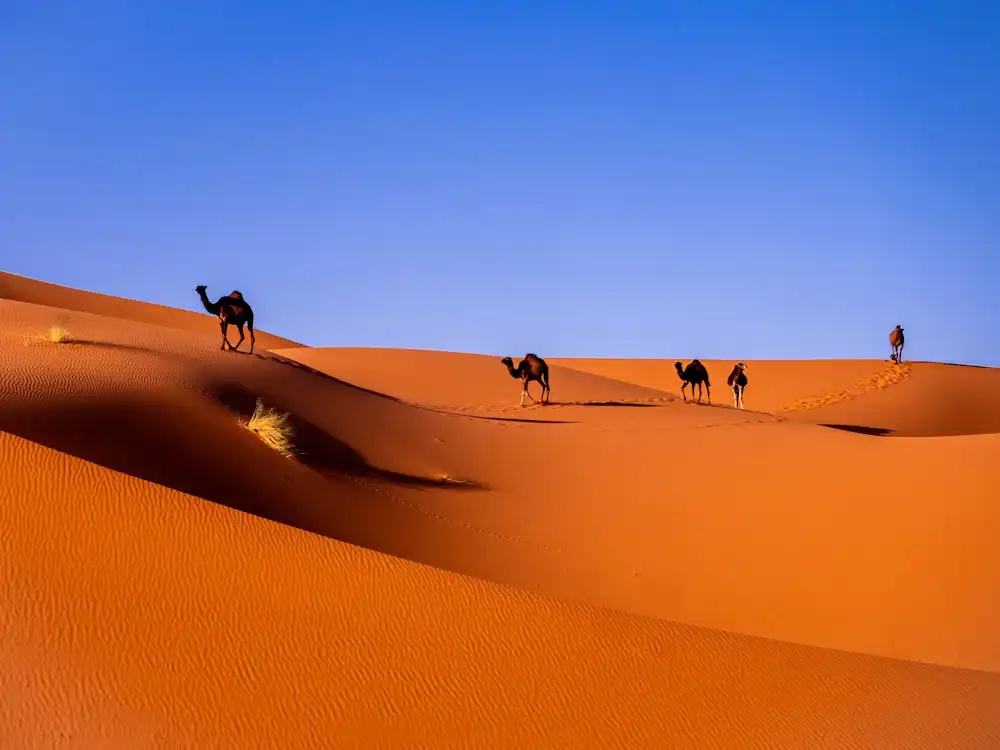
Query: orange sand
[[618, 569]]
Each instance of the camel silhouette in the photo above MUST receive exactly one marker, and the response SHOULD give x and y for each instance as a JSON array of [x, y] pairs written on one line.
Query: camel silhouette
[[231, 310], [737, 380], [532, 367], [896, 342], [694, 374]]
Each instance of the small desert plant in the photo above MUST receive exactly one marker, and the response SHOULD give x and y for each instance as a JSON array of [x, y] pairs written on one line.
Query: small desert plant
[[57, 334], [451, 479], [273, 428]]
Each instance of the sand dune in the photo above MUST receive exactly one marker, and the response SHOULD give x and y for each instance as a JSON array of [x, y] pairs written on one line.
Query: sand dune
[[478, 574], [67, 300], [774, 384], [467, 382], [933, 400], [717, 517], [921, 399]]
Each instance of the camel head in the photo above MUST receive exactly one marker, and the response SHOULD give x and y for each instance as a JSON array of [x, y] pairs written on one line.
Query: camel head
[[515, 372], [742, 366], [200, 288], [679, 367]]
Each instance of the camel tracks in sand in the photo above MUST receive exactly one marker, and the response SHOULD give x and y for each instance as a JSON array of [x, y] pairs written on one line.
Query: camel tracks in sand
[[890, 376]]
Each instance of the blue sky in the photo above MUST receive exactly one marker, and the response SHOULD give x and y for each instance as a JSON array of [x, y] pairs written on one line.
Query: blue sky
[[680, 179]]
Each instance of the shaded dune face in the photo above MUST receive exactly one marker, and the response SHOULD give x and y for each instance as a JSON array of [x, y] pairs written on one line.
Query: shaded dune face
[[438, 566]]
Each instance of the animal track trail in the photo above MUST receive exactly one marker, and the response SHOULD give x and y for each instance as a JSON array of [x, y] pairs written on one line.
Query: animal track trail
[[890, 376], [451, 521]]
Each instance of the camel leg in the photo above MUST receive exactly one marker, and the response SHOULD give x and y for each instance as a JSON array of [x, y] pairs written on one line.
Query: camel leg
[[239, 327], [708, 392], [223, 325], [736, 397], [700, 391], [683, 386], [524, 392], [252, 337]]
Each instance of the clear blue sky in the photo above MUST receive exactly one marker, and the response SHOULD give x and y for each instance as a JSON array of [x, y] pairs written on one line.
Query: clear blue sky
[[690, 179]]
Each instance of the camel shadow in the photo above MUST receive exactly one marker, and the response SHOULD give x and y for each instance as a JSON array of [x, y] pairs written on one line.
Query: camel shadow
[[630, 404], [860, 429], [505, 419]]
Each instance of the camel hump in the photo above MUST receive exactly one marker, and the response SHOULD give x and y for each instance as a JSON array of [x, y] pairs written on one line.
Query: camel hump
[[732, 376], [236, 294]]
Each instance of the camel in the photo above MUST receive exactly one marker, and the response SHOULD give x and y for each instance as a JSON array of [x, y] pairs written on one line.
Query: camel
[[532, 367], [896, 342], [737, 380], [694, 374], [232, 310]]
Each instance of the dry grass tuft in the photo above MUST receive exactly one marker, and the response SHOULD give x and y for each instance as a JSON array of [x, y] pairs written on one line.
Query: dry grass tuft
[[57, 334], [273, 428], [450, 479]]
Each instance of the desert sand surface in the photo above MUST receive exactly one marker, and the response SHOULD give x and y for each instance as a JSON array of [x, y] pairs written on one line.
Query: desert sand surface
[[440, 568]]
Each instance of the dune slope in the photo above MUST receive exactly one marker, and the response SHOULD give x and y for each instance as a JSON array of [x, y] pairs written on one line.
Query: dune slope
[[170, 581], [713, 516], [773, 384], [933, 400], [139, 617], [66, 300]]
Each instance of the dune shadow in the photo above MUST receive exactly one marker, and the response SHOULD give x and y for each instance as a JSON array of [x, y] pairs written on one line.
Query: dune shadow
[[268, 357], [522, 420], [860, 429], [278, 359], [192, 447], [119, 347], [321, 451]]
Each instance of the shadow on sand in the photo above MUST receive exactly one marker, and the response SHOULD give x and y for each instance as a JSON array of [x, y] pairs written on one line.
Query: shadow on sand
[[268, 357], [322, 452], [188, 445], [631, 404], [860, 429], [504, 419]]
